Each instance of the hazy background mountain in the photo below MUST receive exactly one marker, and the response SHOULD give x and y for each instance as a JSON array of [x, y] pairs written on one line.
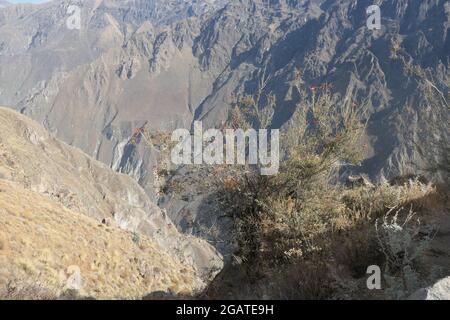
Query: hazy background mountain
[[173, 62], [4, 3]]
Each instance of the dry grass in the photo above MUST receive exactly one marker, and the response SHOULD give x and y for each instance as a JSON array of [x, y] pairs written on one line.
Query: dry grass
[[40, 240], [300, 234], [3, 243], [372, 202], [320, 249]]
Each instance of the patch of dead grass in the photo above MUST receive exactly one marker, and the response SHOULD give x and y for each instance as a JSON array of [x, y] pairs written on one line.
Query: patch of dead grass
[[41, 239]]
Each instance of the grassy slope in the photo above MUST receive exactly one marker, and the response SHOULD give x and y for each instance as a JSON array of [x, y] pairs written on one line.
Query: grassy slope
[[40, 240]]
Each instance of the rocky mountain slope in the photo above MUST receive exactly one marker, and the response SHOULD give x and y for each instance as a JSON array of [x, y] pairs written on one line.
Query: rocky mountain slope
[[47, 249], [127, 64], [171, 63], [34, 160]]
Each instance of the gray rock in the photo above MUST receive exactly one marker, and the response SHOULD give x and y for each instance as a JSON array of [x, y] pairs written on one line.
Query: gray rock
[[439, 291]]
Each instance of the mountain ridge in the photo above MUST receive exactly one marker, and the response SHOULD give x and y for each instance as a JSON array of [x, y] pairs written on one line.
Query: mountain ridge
[[92, 87], [43, 243]]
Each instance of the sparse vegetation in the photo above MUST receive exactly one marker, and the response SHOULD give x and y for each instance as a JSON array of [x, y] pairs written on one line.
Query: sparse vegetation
[[402, 245], [52, 250], [436, 150], [119, 219], [298, 231], [282, 218], [24, 289]]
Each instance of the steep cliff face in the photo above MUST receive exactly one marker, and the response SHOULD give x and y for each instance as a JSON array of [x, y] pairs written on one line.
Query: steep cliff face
[[93, 86], [33, 159], [173, 62], [170, 63], [328, 42]]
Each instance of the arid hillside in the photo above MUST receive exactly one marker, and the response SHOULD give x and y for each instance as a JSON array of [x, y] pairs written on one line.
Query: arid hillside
[[60, 178], [47, 250]]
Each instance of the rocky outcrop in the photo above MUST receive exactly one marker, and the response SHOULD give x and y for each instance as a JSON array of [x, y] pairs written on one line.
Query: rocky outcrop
[[32, 158], [439, 291]]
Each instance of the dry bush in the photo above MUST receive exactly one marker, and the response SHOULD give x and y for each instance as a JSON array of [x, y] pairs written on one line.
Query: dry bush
[[3, 243], [403, 241], [358, 246], [26, 290], [370, 203], [356, 249], [306, 280], [298, 227], [286, 221], [396, 237]]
